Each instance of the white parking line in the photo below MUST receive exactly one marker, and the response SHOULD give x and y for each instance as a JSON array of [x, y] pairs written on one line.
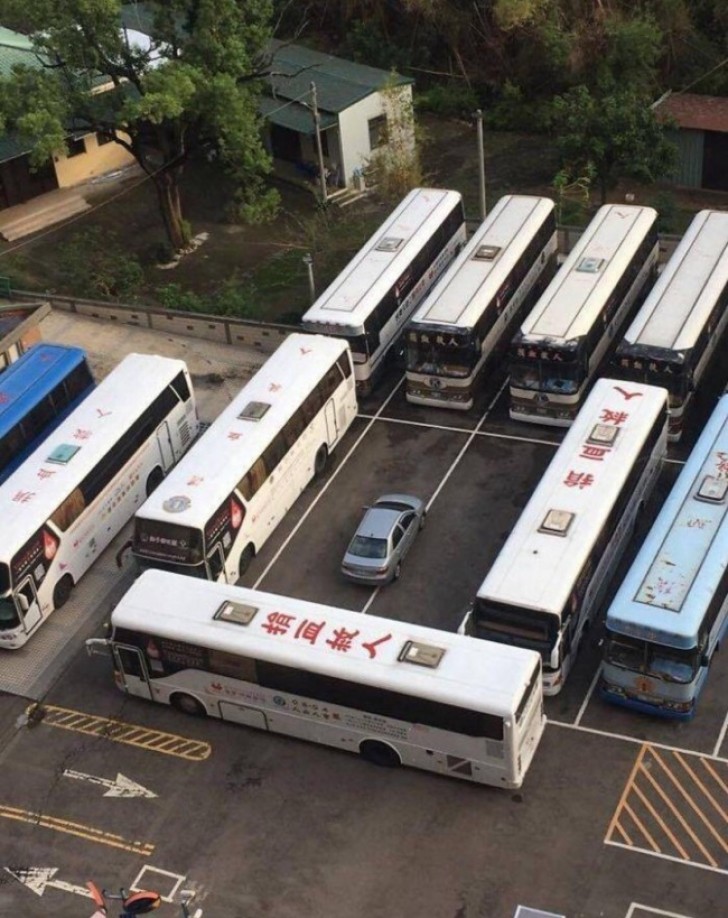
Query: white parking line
[[652, 911], [387, 419], [721, 737], [587, 697], [325, 488], [471, 435], [668, 857], [639, 742]]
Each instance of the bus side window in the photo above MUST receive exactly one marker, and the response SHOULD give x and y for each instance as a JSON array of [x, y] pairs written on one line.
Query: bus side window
[[69, 511], [78, 381]]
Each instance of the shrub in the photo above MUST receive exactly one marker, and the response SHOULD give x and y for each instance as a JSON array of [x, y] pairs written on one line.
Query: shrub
[[93, 263], [448, 99]]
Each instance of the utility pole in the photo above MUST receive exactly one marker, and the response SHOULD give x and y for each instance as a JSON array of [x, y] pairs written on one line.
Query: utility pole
[[481, 161], [319, 148], [308, 261]]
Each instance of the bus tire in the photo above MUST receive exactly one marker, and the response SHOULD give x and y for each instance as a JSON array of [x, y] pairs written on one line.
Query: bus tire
[[319, 463], [246, 556], [156, 477], [62, 591], [188, 705], [380, 754]]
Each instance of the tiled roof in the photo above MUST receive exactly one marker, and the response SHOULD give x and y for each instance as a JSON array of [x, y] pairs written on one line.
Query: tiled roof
[[701, 113]]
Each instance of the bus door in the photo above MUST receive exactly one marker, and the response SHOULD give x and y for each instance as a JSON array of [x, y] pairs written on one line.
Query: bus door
[[166, 451], [27, 603], [131, 668], [332, 429], [216, 563]]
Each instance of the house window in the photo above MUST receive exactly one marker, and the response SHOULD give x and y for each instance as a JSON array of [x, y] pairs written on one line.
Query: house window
[[76, 146], [102, 139], [377, 131]]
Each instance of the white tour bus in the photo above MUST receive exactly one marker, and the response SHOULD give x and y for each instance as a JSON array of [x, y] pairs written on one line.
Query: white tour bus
[[214, 512], [670, 613], [676, 332], [487, 289], [560, 345], [549, 578], [377, 292], [74, 493], [393, 692]]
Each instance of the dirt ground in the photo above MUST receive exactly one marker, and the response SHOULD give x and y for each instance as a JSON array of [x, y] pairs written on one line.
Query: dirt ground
[[267, 260]]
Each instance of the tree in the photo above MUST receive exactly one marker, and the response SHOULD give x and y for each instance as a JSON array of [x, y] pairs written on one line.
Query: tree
[[613, 135], [195, 86]]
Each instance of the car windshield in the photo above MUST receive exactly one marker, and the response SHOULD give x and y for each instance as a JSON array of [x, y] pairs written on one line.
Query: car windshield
[[366, 547]]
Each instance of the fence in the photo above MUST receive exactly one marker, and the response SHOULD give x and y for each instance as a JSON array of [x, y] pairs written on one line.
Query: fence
[[265, 336]]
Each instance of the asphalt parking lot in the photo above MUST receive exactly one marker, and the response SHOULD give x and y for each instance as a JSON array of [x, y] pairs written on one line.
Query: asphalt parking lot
[[620, 815]]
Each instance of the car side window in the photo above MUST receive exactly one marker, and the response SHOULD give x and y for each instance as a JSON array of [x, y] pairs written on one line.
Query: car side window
[[397, 535], [406, 520]]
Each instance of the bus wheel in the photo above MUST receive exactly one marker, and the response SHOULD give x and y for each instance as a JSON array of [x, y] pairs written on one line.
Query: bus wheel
[[62, 591], [188, 705], [156, 477], [379, 754], [319, 463], [246, 556]]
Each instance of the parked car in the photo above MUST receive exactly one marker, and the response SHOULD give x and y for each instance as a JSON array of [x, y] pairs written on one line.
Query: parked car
[[383, 538]]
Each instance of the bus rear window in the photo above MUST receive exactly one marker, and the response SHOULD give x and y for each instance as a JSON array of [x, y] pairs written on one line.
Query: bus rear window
[[157, 539]]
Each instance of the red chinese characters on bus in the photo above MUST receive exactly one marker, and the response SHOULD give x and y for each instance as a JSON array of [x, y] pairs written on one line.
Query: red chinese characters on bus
[[339, 639], [596, 452], [721, 465]]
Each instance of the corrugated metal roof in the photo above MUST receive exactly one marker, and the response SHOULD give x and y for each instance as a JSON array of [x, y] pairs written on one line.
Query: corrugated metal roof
[[689, 110], [339, 83], [15, 49], [293, 115]]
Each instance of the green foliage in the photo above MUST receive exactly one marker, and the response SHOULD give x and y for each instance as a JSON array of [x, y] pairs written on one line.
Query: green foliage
[[93, 263], [511, 111], [451, 100], [174, 296], [667, 208], [196, 88], [365, 43], [615, 135]]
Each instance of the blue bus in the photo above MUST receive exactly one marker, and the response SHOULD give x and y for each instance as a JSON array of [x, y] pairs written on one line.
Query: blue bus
[[36, 393], [671, 611]]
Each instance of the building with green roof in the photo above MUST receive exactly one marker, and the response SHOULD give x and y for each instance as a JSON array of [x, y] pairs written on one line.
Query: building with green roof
[[356, 105]]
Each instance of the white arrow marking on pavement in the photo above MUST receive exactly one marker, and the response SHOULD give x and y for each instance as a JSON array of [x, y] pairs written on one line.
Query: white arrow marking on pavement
[[120, 787], [38, 879]]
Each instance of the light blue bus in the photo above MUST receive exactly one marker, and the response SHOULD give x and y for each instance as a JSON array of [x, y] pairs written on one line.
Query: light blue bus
[[36, 394], [670, 613]]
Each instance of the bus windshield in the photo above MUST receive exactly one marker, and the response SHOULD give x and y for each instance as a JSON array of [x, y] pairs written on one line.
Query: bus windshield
[[8, 613], [441, 355], [666, 663], [547, 375], [159, 539]]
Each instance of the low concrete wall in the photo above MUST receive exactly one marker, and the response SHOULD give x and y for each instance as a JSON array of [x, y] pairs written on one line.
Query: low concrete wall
[[263, 336]]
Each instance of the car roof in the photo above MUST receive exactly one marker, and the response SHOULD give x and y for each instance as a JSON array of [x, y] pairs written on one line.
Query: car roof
[[378, 523]]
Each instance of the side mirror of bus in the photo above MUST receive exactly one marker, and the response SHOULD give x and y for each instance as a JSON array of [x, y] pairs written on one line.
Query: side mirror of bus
[[555, 657], [98, 647]]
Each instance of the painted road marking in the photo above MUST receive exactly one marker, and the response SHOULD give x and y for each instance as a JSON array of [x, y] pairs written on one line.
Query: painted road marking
[[120, 732], [90, 833], [636, 909], [38, 879], [120, 786], [675, 805]]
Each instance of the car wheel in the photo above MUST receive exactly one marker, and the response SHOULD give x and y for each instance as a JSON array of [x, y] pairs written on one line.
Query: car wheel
[[188, 705], [422, 519], [397, 571], [319, 463], [246, 556], [379, 754], [62, 591]]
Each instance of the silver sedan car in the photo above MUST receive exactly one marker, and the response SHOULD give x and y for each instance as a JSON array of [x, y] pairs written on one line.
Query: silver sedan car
[[383, 538]]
